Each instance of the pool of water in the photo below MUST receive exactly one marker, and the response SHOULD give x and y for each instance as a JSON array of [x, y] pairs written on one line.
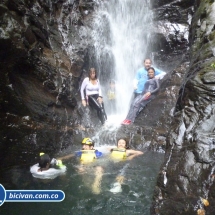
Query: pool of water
[[135, 197]]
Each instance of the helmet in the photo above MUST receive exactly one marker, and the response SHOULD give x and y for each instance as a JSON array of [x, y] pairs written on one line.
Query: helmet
[[42, 153], [87, 141]]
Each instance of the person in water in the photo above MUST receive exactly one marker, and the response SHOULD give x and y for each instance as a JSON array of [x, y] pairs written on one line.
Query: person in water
[[142, 76], [87, 155], [122, 152], [47, 168], [91, 94], [151, 87]]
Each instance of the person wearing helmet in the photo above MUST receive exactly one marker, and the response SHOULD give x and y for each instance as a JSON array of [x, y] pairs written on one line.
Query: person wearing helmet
[[87, 153]]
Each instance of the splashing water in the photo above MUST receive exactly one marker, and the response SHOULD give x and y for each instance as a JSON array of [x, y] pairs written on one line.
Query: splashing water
[[120, 37]]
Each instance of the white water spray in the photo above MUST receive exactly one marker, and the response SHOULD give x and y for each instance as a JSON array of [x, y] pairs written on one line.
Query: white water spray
[[120, 36]]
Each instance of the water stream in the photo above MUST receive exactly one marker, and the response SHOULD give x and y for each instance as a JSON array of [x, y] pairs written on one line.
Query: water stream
[[120, 37]]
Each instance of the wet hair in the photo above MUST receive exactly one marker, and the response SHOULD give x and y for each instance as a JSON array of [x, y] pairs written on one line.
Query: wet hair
[[151, 68], [44, 159], [90, 72], [126, 142]]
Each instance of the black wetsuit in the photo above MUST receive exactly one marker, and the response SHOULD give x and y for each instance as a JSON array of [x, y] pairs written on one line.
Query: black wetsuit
[[93, 102], [152, 86]]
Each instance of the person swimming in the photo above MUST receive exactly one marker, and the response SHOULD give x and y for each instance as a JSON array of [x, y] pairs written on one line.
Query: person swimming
[[47, 168], [122, 150], [87, 153]]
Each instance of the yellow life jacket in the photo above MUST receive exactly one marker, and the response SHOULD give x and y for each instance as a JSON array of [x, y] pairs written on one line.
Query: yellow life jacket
[[111, 95], [88, 155], [118, 153]]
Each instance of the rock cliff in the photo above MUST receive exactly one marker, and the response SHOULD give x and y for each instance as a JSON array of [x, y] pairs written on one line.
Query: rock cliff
[[185, 183], [44, 56]]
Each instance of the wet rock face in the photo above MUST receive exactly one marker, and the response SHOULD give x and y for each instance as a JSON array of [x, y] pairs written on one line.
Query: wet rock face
[[151, 127], [189, 162], [43, 55], [170, 39]]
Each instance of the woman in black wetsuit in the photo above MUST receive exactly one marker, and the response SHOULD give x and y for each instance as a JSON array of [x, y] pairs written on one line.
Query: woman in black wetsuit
[[91, 87], [150, 88]]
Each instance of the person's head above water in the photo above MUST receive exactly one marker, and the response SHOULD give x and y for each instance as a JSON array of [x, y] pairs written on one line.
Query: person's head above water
[[151, 72], [87, 143], [92, 74], [122, 143], [147, 63], [44, 161]]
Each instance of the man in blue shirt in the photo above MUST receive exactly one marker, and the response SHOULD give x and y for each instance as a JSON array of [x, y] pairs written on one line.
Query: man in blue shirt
[[142, 76]]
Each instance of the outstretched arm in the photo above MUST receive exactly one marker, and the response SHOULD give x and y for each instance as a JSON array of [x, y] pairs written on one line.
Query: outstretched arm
[[159, 74], [66, 157], [133, 153]]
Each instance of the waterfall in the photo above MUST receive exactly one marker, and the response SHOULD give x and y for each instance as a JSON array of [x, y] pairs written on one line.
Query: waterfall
[[120, 35]]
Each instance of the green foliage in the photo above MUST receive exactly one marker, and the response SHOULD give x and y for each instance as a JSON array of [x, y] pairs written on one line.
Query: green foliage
[[213, 65]]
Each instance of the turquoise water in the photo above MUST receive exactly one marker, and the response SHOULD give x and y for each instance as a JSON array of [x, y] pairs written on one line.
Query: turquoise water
[[137, 189]]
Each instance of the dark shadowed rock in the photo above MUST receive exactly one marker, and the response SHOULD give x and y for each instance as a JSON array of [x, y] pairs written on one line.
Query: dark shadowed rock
[[39, 76], [189, 160], [44, 56], [170, 37]]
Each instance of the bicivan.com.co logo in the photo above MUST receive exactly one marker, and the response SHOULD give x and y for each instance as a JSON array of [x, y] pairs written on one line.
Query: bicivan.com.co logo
[[30, 195], [2, 195]]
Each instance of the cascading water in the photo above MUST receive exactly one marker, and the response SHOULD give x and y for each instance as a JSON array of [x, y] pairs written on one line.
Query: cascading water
[[120, 36], [120, 39]]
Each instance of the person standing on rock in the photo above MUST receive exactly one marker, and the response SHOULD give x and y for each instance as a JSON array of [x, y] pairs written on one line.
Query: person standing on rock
[[142, 76], [111, 95], [151, 87], [91, 94]]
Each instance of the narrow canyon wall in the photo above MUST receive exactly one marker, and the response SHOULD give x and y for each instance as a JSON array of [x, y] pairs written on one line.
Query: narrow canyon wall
[[186, 179], [43, 56]]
